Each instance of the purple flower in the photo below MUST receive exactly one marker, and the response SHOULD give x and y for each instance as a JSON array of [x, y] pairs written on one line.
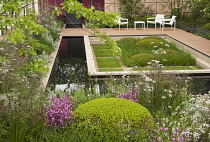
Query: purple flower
[[181, 138], [159, 138], [59, 113], [132, 95], [161, 128], [165, 133]]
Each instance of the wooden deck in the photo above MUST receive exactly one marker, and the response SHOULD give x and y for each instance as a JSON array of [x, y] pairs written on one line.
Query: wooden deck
[[194, 41], [196, 45]]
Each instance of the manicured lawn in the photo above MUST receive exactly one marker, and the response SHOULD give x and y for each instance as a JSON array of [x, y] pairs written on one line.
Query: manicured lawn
[[108, 62], [159, 50], [103, 52], [100, 46]]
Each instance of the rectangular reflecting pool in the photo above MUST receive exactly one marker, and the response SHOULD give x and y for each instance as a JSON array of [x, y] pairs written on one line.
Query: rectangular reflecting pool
[[70, 68]]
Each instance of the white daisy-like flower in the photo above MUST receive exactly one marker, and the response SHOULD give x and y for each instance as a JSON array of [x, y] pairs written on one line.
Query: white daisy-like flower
[[166, 45], [169, 95], [163, 97]]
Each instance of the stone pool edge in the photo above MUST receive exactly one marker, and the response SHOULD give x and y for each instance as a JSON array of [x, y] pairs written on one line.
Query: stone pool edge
[[92, 71], [50, 64]]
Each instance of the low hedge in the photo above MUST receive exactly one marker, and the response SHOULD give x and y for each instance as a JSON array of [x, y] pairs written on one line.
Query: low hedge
[[111, 116]]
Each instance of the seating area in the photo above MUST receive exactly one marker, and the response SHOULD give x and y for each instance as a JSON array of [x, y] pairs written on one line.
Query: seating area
[[158, 19], [155, 20]]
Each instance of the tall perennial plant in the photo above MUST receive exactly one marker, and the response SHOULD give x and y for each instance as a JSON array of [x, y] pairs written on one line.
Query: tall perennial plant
[[59, 113]]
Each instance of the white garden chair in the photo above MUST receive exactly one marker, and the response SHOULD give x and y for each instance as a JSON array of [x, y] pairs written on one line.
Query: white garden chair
[[121, 21], [170, 22], [157, 19]]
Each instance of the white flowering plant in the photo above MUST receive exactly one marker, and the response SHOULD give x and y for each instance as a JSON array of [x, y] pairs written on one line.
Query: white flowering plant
[[194, 116], [188, 122]]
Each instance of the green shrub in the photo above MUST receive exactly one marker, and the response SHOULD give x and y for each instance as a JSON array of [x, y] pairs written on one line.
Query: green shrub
[[46, 43], [37, 67], [207, 36], [154, 37], [150, 43], [206, 26], [109, 116], [127, 39], [181, 59], [171, 52], [145, 18], [42, 56], [2, 60], [142, 59]]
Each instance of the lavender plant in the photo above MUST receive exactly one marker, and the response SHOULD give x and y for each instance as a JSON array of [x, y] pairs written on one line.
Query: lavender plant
[[59, 113]]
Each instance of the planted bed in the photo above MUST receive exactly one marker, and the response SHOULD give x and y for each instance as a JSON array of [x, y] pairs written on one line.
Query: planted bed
[[140, 53]]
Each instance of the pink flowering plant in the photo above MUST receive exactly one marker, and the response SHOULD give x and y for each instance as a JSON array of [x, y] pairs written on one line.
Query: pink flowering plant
[[59, 112], [132, 94], [167, 133]]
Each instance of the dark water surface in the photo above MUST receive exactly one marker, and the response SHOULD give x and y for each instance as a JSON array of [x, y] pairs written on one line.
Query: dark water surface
[[70, 68]]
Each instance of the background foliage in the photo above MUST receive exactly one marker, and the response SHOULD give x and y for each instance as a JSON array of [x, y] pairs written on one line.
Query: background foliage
[[22, 102]]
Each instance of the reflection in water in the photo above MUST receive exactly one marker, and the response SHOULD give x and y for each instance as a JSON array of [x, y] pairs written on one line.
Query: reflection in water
[[70, 68], [200, 85]]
